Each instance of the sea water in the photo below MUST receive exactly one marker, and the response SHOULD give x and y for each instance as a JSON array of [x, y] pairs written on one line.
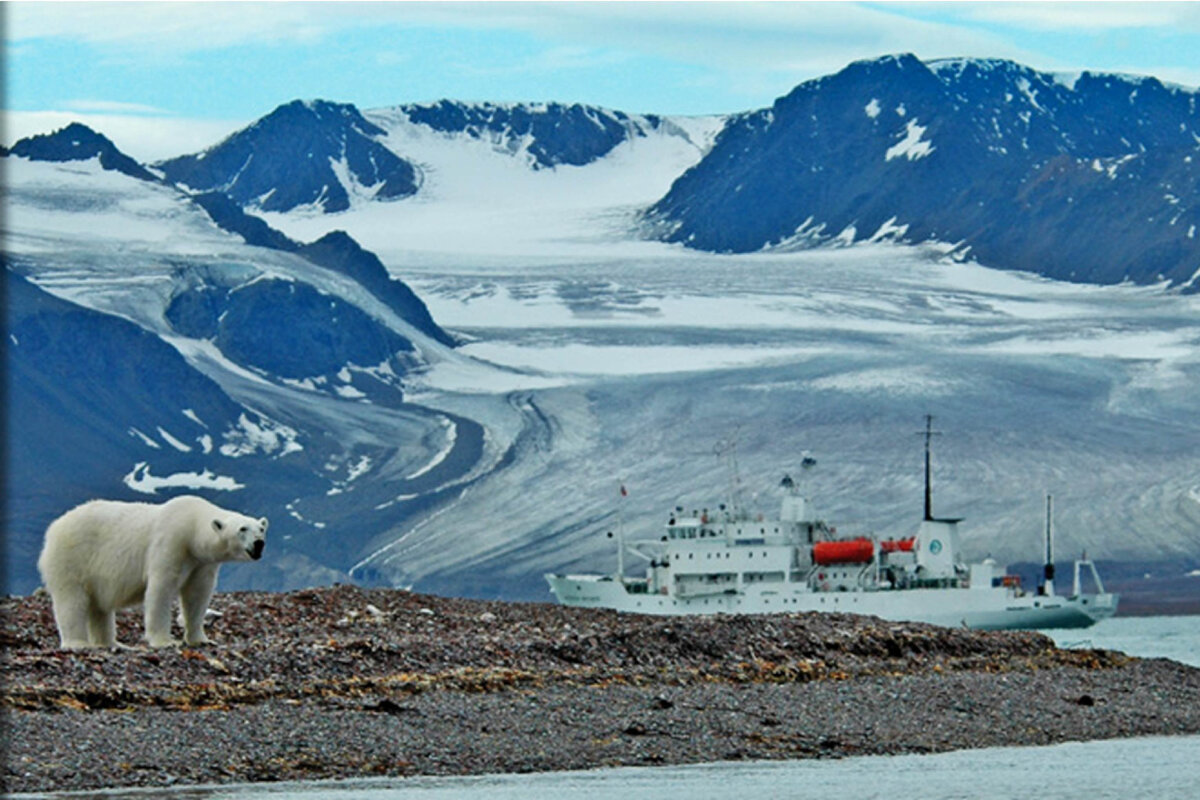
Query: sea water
[[1163, 768], [1176, 638]]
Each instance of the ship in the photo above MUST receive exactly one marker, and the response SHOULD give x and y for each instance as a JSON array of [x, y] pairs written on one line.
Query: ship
[[731, 561]]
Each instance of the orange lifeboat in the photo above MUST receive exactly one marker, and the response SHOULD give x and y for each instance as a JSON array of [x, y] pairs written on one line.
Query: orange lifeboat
[[898, 545], [849, 551]]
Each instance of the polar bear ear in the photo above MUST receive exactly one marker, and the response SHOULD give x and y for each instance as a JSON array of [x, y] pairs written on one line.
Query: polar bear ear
[[217, 526], [263, 523]]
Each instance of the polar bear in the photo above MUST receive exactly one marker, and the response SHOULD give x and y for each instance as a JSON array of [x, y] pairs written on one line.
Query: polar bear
[[105, 555]]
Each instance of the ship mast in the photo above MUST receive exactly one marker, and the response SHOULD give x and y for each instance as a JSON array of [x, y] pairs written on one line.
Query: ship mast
[[929, 434], [727, 449], [1048, 570]]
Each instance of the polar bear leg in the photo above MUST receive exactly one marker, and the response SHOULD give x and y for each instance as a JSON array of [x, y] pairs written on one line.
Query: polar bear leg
[[161, 592], [102, 627], [194, 598], [71, 613]]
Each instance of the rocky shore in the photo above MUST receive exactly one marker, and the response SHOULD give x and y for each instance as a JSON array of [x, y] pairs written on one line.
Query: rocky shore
[[342, 682]]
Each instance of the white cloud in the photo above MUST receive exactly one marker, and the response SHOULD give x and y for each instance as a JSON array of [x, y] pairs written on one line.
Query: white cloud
[[1073, 17], [113, 107], [812, 38]]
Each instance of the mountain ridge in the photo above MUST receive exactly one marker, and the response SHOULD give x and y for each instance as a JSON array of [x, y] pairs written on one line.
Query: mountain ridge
[[1087, 182]]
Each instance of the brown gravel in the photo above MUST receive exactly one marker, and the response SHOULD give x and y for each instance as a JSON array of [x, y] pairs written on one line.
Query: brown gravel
[[344, 682]]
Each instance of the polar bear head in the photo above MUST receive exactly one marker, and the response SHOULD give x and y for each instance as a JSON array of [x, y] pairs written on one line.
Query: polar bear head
[[240, 538]]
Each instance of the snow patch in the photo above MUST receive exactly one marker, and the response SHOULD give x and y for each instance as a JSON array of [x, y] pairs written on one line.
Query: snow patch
[[146, 440], [187, 412], [888, 230], [349, 392], [249, 437], [912, 146], [171, 440], [140, 480], [872, 108]]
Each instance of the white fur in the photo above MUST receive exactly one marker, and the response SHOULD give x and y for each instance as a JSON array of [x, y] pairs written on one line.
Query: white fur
[[105, 555]]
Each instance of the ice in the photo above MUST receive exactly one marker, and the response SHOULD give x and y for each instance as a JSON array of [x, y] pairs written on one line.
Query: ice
[[451, 433], [478, 201]]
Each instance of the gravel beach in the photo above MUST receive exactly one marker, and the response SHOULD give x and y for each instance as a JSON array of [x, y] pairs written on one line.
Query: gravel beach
[[344, 681]]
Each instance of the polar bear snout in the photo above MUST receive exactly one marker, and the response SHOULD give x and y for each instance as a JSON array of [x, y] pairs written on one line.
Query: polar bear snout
[[256, 549]]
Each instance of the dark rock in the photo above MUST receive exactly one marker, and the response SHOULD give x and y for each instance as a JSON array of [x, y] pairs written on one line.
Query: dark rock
[[78, 142], [1095, 182], [231, 217], [284, 160], [292, 330], [338, 251], [552, 133]]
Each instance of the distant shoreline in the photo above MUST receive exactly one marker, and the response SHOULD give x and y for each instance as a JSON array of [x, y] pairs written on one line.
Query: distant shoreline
[[349, 682]]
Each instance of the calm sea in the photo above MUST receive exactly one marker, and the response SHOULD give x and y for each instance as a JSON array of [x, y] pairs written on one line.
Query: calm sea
[[1164, 768]]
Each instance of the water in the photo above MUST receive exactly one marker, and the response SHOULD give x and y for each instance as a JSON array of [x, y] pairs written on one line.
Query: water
[[1176, 638], [1163, 768]]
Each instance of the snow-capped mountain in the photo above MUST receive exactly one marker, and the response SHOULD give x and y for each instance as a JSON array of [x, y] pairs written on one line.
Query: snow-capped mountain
[[160, 343], [1088, 178], [546, 134], [77, 142], [445, 389], [327, 157], [316, 154]]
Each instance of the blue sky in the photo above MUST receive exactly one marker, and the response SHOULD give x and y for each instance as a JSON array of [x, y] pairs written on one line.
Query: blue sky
[[150, 73]]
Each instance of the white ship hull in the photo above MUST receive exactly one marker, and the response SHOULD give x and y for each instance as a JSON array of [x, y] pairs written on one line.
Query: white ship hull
[[984, 609]]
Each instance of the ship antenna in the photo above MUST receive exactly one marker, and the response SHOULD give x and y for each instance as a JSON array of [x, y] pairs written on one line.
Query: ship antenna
[[929, 434]]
